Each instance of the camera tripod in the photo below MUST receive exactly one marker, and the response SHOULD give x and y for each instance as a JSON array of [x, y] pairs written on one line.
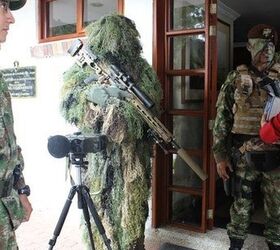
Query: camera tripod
[[84, 202]]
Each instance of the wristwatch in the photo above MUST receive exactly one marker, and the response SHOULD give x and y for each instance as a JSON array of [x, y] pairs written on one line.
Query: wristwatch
[[25, 190]]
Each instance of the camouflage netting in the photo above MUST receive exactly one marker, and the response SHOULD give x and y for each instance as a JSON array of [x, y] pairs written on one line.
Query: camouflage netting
[[119, 177]]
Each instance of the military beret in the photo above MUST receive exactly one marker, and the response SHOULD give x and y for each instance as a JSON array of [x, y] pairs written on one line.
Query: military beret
[[16, 4], [264, 31]]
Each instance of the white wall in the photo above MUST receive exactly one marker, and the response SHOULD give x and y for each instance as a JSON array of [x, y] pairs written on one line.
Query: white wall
[[37, 118], [142, 14]]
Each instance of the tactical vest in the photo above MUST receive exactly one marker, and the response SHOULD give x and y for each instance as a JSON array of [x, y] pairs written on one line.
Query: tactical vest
[[249, 100]]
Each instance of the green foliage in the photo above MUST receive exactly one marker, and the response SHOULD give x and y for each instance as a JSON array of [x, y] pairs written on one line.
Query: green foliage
[[63, 29], [115, 35], [74, 101], [116, 39], [119, 179]]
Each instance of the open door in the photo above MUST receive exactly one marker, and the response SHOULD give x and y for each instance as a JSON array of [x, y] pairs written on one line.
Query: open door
[[184, 56]]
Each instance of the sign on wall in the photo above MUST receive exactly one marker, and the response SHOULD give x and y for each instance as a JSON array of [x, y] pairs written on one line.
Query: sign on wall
[[21, 80]]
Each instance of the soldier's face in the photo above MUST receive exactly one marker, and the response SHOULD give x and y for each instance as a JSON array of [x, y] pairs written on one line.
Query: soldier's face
[[262, 50], [6, 18]]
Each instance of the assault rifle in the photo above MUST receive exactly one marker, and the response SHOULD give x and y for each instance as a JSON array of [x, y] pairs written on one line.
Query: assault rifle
[[139, 100]]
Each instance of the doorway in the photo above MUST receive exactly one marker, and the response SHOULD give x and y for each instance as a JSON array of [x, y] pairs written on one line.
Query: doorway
[[181, 58]]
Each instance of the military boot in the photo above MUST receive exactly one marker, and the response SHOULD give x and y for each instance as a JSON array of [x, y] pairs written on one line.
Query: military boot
[[236, 244], [272, 247]]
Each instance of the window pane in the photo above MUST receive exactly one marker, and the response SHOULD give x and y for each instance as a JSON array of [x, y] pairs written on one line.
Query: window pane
[[188, 14], [186, 209], [183, 175], [188, 131], [188, 52], [188, 92], [94, 9], [223, 46], [59, 22]]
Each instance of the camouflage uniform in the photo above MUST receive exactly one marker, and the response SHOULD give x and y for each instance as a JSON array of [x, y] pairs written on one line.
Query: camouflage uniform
[[226, 142], [11, 210]]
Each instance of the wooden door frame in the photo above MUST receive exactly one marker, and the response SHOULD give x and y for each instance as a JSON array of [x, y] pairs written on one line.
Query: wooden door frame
[[160, 163], [212, 111], [159, 170]]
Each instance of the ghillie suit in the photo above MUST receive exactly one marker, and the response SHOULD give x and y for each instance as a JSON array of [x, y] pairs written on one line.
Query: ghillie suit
[[119, 177]]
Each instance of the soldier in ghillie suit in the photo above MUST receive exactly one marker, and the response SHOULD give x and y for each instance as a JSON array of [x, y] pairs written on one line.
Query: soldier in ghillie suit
[[14, 204], [119, 177], [240, 108]]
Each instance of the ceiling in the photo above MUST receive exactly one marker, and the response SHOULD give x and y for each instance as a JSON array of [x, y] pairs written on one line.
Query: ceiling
[[253, 12]]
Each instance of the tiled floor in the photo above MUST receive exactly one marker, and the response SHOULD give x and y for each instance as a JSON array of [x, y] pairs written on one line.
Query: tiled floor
[[48, 197], [36, 234], [213, 240]]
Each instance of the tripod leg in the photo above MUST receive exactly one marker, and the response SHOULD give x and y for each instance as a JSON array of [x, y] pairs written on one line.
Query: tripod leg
[[83, 205], [62, 217], [92, 209]]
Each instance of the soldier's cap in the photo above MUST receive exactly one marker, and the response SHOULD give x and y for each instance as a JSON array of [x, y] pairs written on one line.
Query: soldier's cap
[[264, 31], [15, 4]]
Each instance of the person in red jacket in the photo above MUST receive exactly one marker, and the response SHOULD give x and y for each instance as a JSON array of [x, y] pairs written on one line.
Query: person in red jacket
[[270, 130]]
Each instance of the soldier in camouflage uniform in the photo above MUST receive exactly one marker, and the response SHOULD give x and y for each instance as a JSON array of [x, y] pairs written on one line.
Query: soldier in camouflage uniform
[[119, 177], [239, 111], [14, 204]]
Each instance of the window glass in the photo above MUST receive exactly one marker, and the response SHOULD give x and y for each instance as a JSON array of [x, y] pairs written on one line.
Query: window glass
[[62, 17], [188, 14], [186, 209], [188, 52], [188, 132], [183, 175], [187, 92], [94, 9]]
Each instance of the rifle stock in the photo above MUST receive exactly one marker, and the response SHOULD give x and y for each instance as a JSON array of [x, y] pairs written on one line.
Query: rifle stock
[[139, 100], [183, 154]]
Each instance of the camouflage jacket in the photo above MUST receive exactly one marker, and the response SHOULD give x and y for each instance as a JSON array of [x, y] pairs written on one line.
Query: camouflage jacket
[[224, 122], [10, 152], [224, 118]]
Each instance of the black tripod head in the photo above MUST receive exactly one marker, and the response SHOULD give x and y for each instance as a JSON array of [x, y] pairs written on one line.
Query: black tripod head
[[76, 144], [78, 160]]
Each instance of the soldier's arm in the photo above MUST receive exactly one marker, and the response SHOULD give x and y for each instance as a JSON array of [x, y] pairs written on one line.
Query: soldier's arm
[[19, 181], [224, 119]]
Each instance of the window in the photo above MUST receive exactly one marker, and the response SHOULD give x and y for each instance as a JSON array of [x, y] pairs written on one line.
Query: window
[[62, 19]]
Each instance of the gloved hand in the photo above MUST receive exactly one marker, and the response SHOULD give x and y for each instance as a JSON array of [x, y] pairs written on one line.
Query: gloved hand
[[97, 95], [114, 91], [100, 94]]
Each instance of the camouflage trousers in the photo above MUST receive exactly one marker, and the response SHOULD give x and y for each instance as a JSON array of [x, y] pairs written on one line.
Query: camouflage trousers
[[7, 234], [242, 208]]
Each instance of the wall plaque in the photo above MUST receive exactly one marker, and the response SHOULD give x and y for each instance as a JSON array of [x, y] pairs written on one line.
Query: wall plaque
[[21, 80]]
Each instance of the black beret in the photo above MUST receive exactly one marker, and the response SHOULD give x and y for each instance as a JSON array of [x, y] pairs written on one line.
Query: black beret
[[16, 4]]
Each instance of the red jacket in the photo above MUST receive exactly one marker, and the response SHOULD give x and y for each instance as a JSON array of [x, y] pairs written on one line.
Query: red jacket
[[270, 131]]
